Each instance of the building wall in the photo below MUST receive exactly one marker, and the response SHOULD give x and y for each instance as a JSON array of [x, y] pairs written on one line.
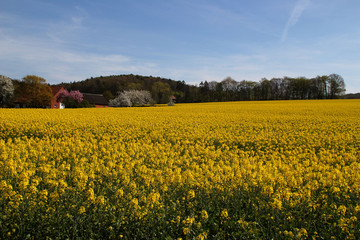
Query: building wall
[[101, 106], [54, 103]]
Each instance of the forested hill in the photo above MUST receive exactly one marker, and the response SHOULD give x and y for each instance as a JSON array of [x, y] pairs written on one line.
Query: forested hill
[[118, 83], [320, 87], [110, 86]]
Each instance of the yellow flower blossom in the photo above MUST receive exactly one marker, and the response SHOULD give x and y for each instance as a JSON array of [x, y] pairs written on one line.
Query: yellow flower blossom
[[82, 210], [202, 236], [186, 231], [191, 194], [204, 215], [277, 164], [224, 214]]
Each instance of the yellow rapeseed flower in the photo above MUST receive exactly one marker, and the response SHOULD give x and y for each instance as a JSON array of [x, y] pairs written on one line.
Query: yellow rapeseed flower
[[271, 164]]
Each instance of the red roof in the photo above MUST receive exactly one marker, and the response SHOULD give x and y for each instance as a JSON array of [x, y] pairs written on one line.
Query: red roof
[[97, 99], [56, 89]]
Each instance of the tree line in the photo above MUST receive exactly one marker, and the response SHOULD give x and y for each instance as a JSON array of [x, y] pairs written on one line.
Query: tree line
[[37, 93], [286, 88], [32, 91]]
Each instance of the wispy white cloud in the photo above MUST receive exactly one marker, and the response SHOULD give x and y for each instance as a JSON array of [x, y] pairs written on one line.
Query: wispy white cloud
[[57, 63], [52, 53], [299, 8]]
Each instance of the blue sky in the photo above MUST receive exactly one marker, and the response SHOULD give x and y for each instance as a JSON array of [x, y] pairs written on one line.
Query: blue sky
[[190, 40]]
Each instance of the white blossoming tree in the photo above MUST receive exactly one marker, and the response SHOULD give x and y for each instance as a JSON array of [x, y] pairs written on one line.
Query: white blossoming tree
[[6, 90], [132, 98]]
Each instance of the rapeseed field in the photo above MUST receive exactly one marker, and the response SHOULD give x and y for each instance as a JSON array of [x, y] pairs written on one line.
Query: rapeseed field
[[237, 170]]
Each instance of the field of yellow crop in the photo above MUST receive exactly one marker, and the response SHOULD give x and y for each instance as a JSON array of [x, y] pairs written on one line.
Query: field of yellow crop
[[239, 170]]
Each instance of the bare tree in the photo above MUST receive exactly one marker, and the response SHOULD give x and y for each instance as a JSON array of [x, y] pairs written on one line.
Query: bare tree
[[336, 85]]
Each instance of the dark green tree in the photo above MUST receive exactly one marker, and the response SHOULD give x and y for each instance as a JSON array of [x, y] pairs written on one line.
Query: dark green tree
[[161, 92], [108, 95]]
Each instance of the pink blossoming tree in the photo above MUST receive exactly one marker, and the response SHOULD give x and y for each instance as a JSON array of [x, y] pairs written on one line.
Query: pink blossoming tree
[[76, 95]]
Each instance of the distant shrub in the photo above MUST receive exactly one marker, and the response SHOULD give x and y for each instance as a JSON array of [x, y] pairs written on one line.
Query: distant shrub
[[171, 103]]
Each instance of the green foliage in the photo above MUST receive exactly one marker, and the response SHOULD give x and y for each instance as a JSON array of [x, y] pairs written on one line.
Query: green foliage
[[108, 95], [72, 103], [161, 92]]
